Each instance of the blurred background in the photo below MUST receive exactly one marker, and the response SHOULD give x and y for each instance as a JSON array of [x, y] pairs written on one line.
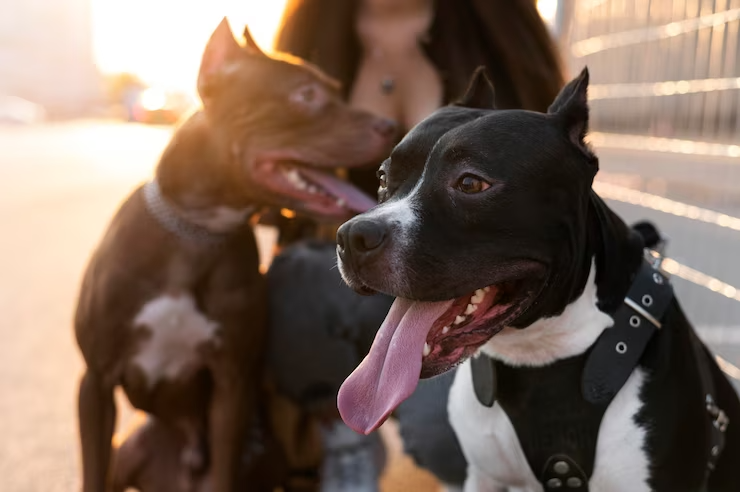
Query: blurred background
[[89, 90]]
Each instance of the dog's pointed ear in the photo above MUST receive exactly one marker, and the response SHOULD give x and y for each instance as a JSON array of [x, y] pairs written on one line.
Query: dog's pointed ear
[[249, 43], [480, 93], [570, 107], [221, 49]]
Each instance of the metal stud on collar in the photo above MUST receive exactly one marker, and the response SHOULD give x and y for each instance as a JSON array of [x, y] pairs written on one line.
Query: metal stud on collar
[[554, 483], [574, 482], [635, 321], [621, 348], [647, 300], [561, 467]]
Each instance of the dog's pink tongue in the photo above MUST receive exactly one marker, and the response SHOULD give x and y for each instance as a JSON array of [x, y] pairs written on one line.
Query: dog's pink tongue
[[354, 199], [390, 372]]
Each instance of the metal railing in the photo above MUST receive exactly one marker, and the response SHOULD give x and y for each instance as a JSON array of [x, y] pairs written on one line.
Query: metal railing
[[663, 68]]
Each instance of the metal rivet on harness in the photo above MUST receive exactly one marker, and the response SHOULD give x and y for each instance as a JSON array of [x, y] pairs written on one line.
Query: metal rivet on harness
[[554, 483], [715, 450], [634, 321], [574, 482], [561, 467], [657, 278], [621, 348], [647, 300]]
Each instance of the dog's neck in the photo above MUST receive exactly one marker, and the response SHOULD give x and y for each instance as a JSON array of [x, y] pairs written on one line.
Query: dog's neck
[[174, 221], [590, 291], [196, 181], [618, 250]]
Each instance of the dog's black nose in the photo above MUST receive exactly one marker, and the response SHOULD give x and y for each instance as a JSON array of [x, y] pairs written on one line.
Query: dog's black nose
[[366, 235], [385, 127], [360, 236]]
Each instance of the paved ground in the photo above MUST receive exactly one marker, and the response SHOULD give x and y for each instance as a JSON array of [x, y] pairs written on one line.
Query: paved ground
[[60, 184]]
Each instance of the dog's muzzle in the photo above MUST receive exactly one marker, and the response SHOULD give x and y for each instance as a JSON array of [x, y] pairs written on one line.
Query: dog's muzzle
[[361, 244]]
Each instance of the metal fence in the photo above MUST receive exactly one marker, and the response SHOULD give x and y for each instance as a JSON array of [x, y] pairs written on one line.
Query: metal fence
[[664, 68]]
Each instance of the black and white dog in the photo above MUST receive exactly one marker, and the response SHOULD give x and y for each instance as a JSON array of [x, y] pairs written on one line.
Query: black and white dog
[[587, 374]]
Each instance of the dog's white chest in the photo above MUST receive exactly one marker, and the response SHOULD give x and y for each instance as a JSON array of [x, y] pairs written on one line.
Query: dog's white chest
[[175, 334], [497, 461]]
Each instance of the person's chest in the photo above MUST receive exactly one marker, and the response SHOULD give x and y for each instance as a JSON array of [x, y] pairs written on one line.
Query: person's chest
[[394, 78]]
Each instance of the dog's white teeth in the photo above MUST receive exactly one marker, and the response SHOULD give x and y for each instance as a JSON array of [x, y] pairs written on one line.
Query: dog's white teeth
[[459, 320], [487, 288], [294, 177], [341, 202], [470, 309], [312, 189], [445, 330], [427, 349]]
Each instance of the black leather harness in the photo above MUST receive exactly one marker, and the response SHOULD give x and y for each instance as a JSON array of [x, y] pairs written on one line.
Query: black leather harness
[[558, 424]]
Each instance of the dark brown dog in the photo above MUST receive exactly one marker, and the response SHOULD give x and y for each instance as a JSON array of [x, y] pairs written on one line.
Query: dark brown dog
[[172, 306]]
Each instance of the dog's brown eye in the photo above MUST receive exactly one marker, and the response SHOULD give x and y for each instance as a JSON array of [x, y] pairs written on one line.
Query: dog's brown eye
[[472, 184], [308, 96]]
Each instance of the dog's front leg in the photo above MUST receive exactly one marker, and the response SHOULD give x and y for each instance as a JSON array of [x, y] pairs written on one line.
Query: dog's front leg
[[229, 415], [97, 417]]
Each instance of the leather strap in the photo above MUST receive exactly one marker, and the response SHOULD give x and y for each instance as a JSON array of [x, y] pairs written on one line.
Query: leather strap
[[618, 350], [484, 379]]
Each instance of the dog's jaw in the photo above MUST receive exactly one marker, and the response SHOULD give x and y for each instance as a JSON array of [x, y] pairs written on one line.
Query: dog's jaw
[[549, 339], [425, 339]]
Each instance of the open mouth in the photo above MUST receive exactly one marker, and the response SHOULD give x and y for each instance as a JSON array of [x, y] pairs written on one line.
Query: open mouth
[[312, 191], [468, 323], [424, 339]]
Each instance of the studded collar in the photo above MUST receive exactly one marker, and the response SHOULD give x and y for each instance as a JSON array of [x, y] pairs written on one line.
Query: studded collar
[[172, 221]]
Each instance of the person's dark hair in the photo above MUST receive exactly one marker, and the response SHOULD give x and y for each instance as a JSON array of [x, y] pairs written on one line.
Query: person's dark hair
[[506, 36]]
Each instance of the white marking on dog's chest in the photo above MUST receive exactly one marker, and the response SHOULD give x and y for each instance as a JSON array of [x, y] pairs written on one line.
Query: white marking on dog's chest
[[487, 435], [550, 339], [176, 332]]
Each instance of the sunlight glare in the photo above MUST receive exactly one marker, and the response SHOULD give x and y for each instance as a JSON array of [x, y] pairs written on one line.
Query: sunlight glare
[[548, 10], [162, 41], [153, 99]]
